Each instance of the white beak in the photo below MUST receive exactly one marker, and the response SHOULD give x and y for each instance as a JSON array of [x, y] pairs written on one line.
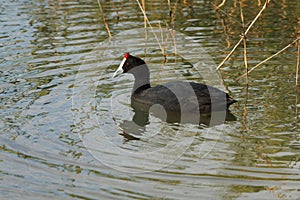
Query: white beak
[[120, 68]]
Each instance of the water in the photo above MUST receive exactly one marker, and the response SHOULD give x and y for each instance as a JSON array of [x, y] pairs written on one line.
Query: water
[[66, 124]]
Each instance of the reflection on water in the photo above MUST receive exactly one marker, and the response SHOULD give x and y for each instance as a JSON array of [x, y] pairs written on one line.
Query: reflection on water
[[135, 128], [132, 128], [57, 96], [141, 115]]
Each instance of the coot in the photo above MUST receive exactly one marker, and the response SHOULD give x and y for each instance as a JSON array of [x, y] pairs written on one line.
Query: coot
[[176, 96]]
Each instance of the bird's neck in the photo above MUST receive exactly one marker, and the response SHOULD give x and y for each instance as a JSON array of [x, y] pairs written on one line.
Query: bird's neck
[[142, 78]]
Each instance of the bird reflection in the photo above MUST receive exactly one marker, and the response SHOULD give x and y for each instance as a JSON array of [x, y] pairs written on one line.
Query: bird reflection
[[134, 129]]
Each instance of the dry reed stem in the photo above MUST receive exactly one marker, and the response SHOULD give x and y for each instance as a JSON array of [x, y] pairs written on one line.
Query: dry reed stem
[[246, 59], [246, 68], [104, 20], [245, 33], [269, 58], [173, 34], [244, 44], [145, 16], [296, 88], [258, 2], [297, 74], [221, 4], [225, 13], [298, 62], [169, 4], [245, 108], [172, 14], [224, 30], [161, 36], [144, 8]]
